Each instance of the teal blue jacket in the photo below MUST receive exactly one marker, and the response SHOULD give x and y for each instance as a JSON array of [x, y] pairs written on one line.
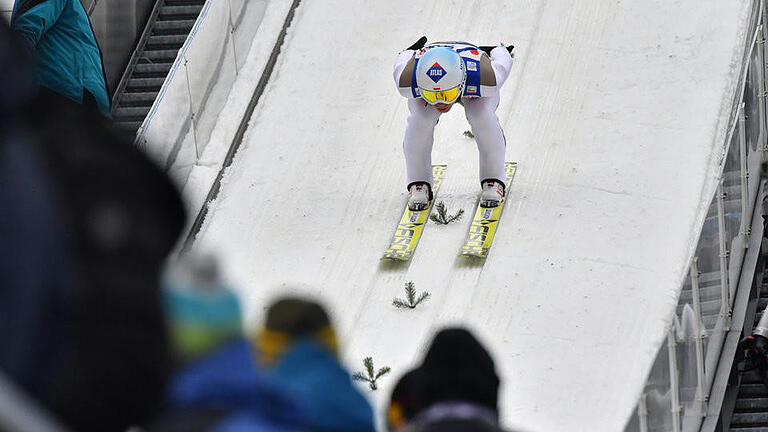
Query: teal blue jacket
[[323, 390], [69, 61]]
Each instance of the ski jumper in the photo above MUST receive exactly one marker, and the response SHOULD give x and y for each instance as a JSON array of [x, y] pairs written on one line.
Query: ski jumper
[[480, 98]]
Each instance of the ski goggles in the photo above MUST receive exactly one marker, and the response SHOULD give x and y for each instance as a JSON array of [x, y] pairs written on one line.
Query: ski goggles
[[445, 96]]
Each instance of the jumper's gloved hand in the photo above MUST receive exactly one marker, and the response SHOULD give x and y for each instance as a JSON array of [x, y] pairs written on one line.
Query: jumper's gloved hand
[[419, 44], [488, 49]]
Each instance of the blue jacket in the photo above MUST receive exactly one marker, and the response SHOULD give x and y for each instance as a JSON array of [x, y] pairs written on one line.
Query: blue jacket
[[323, 389], [68, 56], [37, 278], [229, 381]]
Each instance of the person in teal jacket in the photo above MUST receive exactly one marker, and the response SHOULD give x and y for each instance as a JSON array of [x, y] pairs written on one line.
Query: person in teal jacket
[[69, 59], [298, 345]]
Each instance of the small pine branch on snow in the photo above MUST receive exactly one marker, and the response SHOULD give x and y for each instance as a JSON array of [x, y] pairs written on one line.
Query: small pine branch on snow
[[442, 217], [370, 376], [411, 301], [469, 134]]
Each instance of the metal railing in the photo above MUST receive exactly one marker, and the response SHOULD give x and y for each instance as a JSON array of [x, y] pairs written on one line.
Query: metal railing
[[679, 386], [179, 126]]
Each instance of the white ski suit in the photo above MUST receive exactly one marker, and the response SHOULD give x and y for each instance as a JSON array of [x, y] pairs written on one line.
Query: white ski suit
[[480, 98]]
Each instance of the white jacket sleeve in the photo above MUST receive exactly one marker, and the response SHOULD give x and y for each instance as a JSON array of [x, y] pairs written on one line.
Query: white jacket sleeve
[[501, 61], [400, 63]]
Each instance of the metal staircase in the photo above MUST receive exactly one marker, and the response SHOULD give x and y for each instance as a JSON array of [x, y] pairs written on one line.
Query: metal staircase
[[167, 29]]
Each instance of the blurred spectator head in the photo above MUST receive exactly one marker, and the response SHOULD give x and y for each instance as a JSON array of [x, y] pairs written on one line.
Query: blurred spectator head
[[202, 312], [298, 346], [402, 404], [457, 368], [290, 319]]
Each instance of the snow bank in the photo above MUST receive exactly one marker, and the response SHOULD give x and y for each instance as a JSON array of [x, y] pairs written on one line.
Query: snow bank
[[204, 172], [617, 113]]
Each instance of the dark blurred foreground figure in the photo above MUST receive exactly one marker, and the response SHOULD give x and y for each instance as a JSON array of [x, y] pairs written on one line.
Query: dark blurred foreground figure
[[219, 387], [458, 388], [402, 406], [454, 390], [298, 344], [87, 221], [68, 57]]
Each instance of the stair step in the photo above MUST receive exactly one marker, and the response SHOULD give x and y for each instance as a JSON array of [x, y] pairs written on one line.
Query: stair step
[[165, 56], [751, 377], [145, 84], [154, 62], [180, 12], [149, 74], [751, 404], [167, 39], [134, 121], [184, 2], [752, 391], [165, 42], [748, 429], [750, 419], [172, 27], [136, 99], [131, 112], [128, 127], [153, 68]]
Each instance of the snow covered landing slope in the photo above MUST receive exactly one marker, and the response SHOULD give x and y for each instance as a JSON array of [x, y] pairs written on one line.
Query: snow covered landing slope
[[617, 113]]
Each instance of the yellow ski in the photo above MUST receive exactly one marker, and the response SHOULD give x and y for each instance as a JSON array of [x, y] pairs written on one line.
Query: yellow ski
[[412, 223], [486, 220]]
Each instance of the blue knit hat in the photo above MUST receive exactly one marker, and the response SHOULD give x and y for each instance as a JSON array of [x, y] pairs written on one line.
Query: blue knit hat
[[203, 313]]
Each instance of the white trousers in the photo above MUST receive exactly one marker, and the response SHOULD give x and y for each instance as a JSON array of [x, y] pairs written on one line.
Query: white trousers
[[419, 137]]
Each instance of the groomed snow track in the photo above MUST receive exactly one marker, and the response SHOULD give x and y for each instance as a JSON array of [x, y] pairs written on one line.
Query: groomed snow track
[[617, 113]]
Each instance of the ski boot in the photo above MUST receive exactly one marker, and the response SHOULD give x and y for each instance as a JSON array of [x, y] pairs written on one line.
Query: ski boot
[[493, 193], [419, 195]]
